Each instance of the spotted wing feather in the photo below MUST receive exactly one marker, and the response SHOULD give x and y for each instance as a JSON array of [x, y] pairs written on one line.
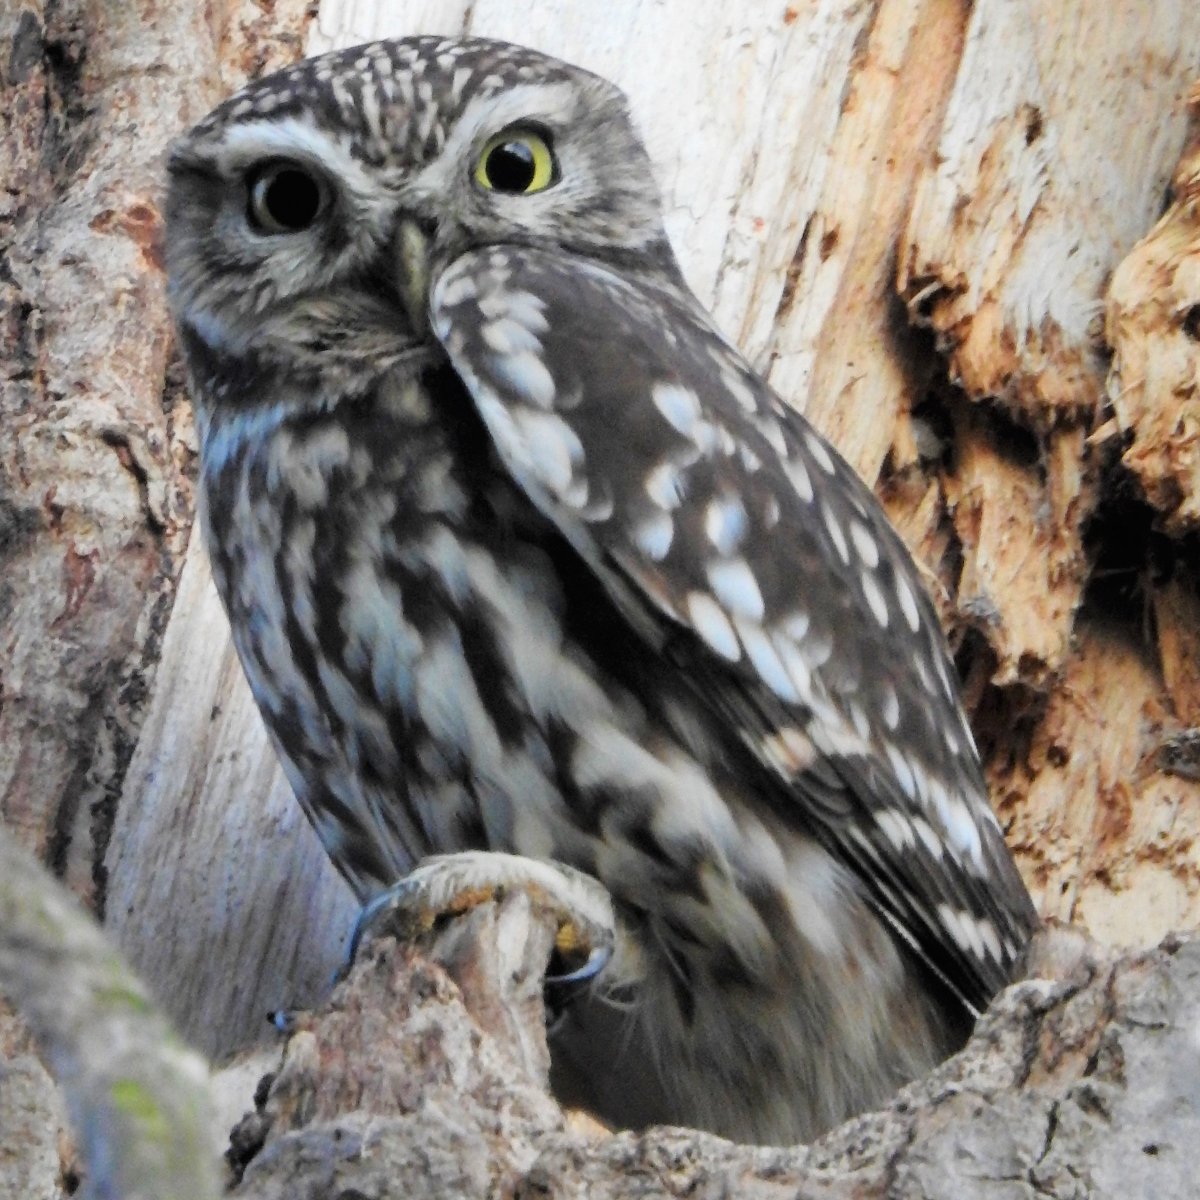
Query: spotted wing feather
[[729, 531]]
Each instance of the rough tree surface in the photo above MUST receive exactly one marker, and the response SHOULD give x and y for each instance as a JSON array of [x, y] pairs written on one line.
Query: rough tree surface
[[941, 229], [1081, 1086]]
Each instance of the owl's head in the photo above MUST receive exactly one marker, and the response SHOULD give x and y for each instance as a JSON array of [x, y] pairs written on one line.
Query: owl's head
[[307, 214]]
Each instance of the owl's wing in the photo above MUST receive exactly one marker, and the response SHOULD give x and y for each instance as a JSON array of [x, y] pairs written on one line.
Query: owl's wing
[[721, 523]]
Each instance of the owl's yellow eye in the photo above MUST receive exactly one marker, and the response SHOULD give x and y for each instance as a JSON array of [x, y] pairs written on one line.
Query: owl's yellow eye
[[517, 161]]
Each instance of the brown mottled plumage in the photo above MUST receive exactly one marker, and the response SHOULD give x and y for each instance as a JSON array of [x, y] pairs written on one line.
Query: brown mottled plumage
[[520, 555]]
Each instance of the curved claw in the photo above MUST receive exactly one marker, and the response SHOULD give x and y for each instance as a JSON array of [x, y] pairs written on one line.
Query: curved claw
[[366, 918], [597, 960], [447, 885]]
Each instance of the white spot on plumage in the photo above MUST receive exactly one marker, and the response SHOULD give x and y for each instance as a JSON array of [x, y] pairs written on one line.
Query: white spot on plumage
[[766, 661], [789, 750], [960, 926], [454, 287], [834, 528], [459, 81], [925, 782], [725, 523], [369, 107], [664, 485], [527, 375], [858, 836], [679, 405], [653, 535], [897, 828], [858, 718], [797, 472], [815, 891], [933, 844], [225, 438], [902, 771], [306, 463], [495, 304], [450, 706], [735, 586], [711, 623], [990, 938], [818, 648], [960, 825], [795, 625], [889, 705], [947, 683], [576, 496], [796, 666], [864, 544], [908, 603], [526, 309], [600, 505], [739, 390], [378, 637], [874, 597], [925, 675], [772, 431], [819, 451], [750, 461], [770, 512], [977, 935], [506, 336], [723, 440], [551, 446]]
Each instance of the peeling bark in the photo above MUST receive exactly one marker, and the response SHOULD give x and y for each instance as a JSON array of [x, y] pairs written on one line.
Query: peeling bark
[[1153, 327]]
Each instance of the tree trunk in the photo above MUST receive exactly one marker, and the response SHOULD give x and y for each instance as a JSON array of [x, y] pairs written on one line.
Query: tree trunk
[[933, 225]]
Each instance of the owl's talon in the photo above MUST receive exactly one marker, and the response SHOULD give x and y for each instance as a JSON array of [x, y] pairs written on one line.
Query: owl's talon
[[597, 960], [450, 885], [370, 913]]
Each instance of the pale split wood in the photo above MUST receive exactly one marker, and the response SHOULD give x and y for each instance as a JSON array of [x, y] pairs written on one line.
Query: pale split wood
[[1019, 533], [1177, 627], [1030, 202], [1060, 138], [1153, 327], [1108, 838]]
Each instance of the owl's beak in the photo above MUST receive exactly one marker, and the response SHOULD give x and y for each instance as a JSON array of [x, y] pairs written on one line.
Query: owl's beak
[[412, 245]]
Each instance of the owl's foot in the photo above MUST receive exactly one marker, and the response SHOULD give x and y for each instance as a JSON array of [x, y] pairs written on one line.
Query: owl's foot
[[450, 885]]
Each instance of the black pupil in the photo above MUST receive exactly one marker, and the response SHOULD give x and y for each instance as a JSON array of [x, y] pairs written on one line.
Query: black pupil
[[291, 198], [510, 167]]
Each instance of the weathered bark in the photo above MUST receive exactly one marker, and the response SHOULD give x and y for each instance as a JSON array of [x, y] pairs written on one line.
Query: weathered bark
[[908, 212], [1083, 1084]]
